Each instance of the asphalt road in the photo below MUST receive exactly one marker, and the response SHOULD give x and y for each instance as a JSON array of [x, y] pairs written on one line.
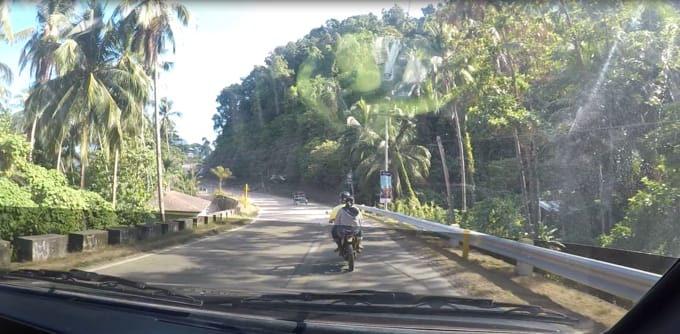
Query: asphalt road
[[287, 247]]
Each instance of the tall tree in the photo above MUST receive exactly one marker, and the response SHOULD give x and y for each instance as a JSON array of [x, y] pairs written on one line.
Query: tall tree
[[451, 75], [222, 174], [166, 113], [54, 26], [5, 36], [154, 23], [365, 136], [110, 90]]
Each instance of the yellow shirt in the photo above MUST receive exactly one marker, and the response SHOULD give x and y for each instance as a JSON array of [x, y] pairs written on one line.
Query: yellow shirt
[[334, 212]]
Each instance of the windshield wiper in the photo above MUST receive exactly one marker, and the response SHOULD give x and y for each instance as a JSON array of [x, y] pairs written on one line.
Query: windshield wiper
[[369, 301], [114, 283]]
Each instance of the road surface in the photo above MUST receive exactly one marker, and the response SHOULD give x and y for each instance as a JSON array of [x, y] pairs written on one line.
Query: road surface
[[287, 247]]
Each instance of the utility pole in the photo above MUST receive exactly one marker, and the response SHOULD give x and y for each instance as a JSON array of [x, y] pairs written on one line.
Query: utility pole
[[446, 177], [387, 145]]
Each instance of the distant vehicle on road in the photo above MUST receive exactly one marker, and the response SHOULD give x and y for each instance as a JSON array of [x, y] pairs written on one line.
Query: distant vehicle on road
[[277, 178], [299, 197]]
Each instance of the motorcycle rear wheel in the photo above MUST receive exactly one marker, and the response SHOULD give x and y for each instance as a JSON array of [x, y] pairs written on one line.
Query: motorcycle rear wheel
[[350, 257]]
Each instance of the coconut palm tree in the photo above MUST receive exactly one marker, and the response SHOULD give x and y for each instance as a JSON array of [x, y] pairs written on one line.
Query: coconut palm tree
[[54, 24], [7, 35], [165, 111], [222, 174], [93, 89], [153, 24], [365, 137]]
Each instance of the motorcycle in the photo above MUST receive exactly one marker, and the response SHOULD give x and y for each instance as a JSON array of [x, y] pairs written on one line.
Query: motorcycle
[[349, 245]]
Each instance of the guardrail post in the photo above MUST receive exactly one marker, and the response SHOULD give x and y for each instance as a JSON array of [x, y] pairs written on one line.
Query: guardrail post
[[454, 242], [523, 268], [466, 243]]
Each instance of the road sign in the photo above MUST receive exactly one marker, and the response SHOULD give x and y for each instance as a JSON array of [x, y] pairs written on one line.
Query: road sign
[[349, 178], [385, 186]]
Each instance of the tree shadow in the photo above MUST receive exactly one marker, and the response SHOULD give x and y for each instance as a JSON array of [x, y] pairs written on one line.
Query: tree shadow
[[499, 278]]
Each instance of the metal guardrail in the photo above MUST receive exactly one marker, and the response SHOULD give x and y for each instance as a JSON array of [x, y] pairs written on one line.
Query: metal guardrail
[[618, 280]]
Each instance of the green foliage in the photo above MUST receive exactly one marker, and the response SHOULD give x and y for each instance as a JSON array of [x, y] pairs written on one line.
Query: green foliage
[[564, 101], [545, 233], [428, 211], [64, 209], [359, 72], [136, 183], [177, 176], [13, 151], [99, 213], [221, 173], [43, 203], [17, 210], [618, 237], [323, 163], [649, 224], [499, 216]]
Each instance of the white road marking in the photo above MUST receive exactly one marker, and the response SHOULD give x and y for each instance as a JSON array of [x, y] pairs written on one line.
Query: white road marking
[[165, 250], [119, 263]]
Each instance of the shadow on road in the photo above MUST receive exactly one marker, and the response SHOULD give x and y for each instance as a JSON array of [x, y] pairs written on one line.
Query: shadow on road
[[286, 255]]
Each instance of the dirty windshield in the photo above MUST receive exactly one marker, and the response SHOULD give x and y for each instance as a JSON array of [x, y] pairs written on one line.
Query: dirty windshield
[[328, 147]]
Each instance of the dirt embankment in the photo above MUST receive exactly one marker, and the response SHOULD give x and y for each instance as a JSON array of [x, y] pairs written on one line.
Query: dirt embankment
[[483, 276]]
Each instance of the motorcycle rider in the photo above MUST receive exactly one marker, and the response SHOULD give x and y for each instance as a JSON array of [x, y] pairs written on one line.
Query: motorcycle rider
[[334, 212], [346, 215]]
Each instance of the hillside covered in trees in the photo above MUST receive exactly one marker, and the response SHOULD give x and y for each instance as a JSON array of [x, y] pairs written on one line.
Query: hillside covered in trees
[[566, 105]]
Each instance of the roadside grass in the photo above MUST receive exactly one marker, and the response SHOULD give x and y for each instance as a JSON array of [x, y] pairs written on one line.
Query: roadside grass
[[484, 276], [117, 252]]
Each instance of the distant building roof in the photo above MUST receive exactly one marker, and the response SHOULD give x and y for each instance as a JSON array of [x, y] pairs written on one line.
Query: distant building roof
[[180, 202], [553, 206]]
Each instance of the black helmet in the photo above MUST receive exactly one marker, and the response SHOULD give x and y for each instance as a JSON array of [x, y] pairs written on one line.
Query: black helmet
[[344, 196]]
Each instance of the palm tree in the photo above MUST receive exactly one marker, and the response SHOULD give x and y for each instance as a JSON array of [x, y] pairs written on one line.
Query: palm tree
[[222, 174], [152, 23], [121, 48], [5, 35], [93, 91], [367, 142], [54, 24], [165, 110], [9, 36]]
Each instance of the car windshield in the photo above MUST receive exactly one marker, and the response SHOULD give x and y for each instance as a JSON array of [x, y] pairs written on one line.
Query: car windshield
[[523, 152]]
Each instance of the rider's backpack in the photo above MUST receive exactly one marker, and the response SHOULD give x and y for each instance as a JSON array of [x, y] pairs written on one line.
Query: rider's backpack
[[350, 216]]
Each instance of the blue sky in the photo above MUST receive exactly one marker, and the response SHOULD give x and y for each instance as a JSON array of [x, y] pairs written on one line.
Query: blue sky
[[221, 45]]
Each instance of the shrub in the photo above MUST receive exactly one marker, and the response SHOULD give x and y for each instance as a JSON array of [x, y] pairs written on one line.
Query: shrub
[[17, 210], [499, 216]]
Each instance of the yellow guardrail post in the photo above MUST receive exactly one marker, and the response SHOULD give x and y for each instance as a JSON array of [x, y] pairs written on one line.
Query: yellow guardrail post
[[245, 195], [466, 243]]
